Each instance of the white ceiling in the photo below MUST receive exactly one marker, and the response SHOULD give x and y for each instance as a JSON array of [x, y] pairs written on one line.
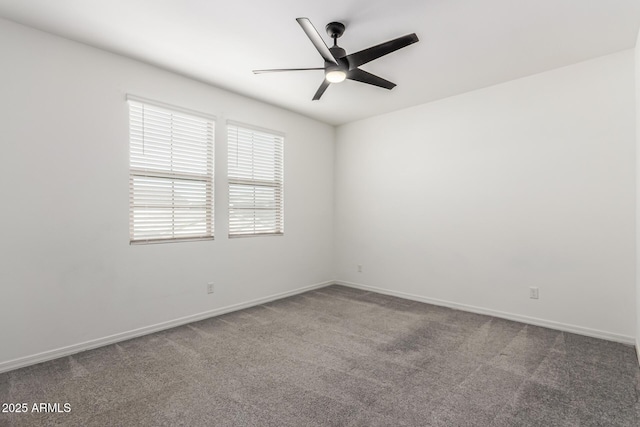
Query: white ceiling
[[464, 44]]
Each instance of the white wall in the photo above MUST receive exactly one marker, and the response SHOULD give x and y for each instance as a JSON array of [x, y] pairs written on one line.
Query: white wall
[[68, 273], [637, 71], [473, 199]]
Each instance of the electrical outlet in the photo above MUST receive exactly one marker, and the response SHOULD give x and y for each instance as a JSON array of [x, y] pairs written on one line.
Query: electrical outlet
[[533, 292], [210, 287], [359, 268]]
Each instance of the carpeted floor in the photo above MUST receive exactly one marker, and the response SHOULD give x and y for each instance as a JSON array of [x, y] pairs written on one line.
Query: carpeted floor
[[338, 357]]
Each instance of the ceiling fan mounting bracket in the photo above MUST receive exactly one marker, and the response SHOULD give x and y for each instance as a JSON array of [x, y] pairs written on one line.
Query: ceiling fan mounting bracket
[[335, 29]]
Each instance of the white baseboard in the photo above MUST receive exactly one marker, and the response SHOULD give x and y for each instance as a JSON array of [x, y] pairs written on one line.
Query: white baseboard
[[610, 336], [123, 336]]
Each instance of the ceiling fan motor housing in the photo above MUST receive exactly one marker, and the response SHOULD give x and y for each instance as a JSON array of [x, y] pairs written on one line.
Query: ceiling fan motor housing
[[340, 55]]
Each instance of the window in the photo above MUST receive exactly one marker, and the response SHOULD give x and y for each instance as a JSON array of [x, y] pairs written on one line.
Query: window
[[171, 173], [255, 181]]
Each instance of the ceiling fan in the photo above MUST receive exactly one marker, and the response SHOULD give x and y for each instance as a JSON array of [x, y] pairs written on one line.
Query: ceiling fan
[[339, 66]]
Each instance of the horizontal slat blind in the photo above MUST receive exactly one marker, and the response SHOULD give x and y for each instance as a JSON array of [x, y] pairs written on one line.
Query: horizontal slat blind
[[255, 182], [171, 174]]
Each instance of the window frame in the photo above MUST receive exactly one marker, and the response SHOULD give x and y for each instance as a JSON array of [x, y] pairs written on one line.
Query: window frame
[[170, 176], [277, 183]]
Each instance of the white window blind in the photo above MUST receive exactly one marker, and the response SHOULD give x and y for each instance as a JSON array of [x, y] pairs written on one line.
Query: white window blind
[[255, 181], [171, 173]]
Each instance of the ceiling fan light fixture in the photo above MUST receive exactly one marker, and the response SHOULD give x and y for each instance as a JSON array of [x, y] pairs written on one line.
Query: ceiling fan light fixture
[[335, 76]]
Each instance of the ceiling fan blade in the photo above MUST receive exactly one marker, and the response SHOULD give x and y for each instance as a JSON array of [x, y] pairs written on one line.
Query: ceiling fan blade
[[317, 41], [277, 70], [364, 77], [323, 86], [359, 58]]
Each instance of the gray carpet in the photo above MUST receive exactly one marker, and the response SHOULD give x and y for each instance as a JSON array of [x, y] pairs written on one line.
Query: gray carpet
[[339, 357]]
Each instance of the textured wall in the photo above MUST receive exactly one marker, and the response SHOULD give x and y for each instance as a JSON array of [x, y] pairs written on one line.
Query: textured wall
[[475, 198], [69, 274]]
